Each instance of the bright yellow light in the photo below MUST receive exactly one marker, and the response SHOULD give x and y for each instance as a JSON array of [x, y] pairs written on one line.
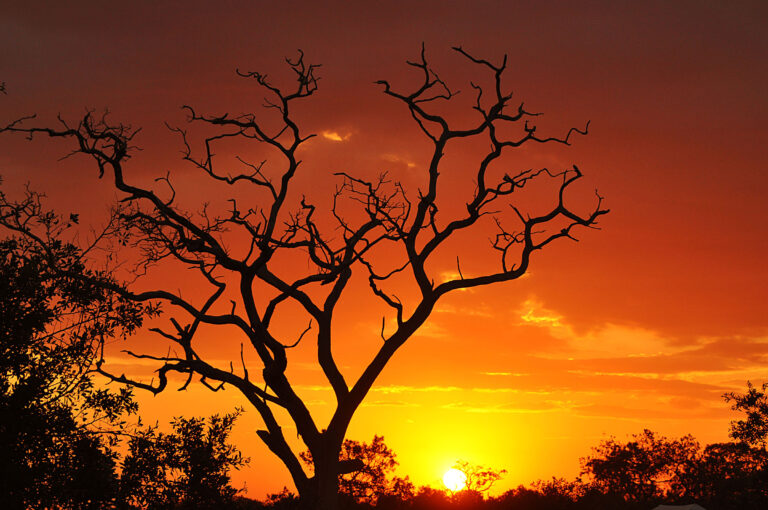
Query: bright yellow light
[[454, 480]]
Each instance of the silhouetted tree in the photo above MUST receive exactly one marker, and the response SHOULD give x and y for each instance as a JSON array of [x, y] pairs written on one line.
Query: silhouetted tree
[[188, 468], [395, 235], [56, 427], [726, 476], [372, 478], [754, 429], [643, 469], [478, 478]]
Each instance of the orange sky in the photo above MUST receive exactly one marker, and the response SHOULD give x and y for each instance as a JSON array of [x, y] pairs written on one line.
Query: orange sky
[[643, 324]]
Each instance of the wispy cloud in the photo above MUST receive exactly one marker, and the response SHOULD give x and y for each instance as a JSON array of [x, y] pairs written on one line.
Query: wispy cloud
[[394, 158], [545, 406], [431, 330], [335, 136], [388, 403], [606, 341], [533, 312], [643, 413], [415, 389], [465, 311]]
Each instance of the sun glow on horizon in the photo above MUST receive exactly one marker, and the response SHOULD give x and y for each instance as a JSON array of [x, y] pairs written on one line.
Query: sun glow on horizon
[[454, 480]]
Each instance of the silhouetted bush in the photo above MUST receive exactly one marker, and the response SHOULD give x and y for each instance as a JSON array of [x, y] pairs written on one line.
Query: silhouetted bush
[[56, 428], [188, 468]]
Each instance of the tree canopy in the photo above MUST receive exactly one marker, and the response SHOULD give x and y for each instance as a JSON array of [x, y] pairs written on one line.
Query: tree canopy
[[56, 426], [186, 468], [752, 430], [370, 475], [380, 232]]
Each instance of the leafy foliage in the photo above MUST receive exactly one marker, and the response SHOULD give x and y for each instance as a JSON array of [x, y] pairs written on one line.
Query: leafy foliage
[[56, 427], [188, 468], [641, 469], [727, 475], [650, 468], [754, 429], [372, 479]]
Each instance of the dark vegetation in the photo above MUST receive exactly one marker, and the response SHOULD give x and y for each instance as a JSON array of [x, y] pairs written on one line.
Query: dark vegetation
[[644, 471], [61, 433], [371, 230]]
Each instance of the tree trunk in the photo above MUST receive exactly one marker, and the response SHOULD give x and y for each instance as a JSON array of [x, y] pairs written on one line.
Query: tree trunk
[[320, 496], [328, 496], [322, 491]]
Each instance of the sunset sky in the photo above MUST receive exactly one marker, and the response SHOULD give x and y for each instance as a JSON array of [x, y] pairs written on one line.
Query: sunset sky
[[642, 324]]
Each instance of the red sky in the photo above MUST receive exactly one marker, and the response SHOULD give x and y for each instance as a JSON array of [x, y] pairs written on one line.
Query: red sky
[[642, 324]]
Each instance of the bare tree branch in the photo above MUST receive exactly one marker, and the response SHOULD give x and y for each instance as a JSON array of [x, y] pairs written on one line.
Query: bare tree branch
[[374, 219]]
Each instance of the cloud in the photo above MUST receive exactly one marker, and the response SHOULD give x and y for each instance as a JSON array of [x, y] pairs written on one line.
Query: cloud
[[476, 311], [633, 352], [334, 136], [386, 403], [533, 312], [644, 413], [414, 389], [312, 387], [606, 341], [316, 402], [448, 276], [544, 406], [431, 330], [496, 390], [394, 158], [306, 365]]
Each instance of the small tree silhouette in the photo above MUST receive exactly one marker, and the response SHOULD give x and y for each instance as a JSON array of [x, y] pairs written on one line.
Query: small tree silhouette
[[187, 468], [479, 478], [753, 430]]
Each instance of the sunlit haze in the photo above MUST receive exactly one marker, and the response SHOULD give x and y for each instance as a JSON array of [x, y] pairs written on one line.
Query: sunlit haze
[[642, 323]]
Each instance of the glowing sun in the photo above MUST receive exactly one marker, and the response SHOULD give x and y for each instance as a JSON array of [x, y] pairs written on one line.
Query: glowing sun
[[454, 479]]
